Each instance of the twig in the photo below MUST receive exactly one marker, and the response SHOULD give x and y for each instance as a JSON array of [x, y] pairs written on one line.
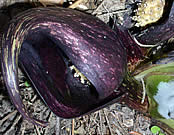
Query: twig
[[23, 130], [75, 4], [92, 119], [33, 99], [101, 127], [144, 91], [135, 133], [8, 116], [37, 130], [72, 127], [143, 45], [96, 122], [98, 7], [118, 132], [67, 125], [108, 122], [88, 123], [14, 124], [48, 2], [16, 121], [114, 12], [107, 10], [117, 124], [46, 129], [58, 126]]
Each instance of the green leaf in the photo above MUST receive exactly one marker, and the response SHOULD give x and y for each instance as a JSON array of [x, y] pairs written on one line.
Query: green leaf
[[158, 68], [27, 84], [156, 79], [155, 129], [153, 81]]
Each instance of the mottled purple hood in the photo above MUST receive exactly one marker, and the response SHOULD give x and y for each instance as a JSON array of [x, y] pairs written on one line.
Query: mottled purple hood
[[52, 44]]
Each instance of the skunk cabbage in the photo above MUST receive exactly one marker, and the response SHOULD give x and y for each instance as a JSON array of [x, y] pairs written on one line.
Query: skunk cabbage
[[75, 61], [162, 29]]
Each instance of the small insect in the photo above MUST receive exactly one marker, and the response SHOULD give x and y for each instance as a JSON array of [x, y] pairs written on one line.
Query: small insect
[[148, 11]]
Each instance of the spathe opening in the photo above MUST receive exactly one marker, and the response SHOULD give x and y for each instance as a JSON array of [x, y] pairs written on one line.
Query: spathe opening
[[55, 77]]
